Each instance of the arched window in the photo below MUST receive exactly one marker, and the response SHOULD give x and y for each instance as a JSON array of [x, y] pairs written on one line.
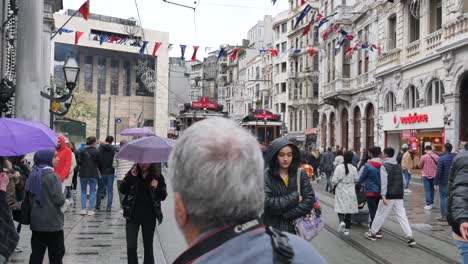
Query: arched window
[[332, 129], [291, 120], [435, 92], [315, 118], [370, 126], [300, 120], [295, 120], [390, 102], [344, 128], [411, 97]]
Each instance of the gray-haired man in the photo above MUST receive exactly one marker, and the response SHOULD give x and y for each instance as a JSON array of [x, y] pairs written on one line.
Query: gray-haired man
[[216, 169]]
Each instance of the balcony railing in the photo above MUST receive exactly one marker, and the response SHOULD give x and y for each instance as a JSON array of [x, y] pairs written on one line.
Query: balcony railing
[[393, 56], [413, 49], [457, 27], [362, 79], [434, 40]]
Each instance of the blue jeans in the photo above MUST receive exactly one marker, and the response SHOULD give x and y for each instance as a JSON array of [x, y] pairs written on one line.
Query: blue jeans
[[443, 192], [407, 178], [428, 190], [92, 192], [463, 248], [107, 184]]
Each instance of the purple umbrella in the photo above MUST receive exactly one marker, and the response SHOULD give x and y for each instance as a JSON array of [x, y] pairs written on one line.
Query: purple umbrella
[[147, 150], [19, 137], [137, 132]]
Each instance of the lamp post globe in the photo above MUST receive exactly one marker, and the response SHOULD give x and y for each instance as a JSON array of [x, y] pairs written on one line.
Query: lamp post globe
[[71, 71]]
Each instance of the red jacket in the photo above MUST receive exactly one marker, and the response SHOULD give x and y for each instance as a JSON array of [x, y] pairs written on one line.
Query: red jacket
[[64, 155]]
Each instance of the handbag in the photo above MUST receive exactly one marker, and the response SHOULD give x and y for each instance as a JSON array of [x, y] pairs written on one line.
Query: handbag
[[25, 218], [310, 225]]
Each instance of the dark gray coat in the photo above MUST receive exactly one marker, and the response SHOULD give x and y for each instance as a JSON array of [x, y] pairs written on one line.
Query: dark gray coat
[[458, 192], [89, 161]]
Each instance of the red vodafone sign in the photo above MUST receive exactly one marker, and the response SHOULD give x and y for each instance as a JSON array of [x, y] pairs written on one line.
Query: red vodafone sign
[[414, 118], [204, 103]]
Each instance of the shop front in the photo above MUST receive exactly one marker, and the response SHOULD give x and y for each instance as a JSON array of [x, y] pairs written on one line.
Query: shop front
[[417, 128]]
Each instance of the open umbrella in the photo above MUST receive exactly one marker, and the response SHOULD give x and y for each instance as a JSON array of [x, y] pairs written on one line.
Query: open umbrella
[[137, 132], [19, 137], [147, 150]]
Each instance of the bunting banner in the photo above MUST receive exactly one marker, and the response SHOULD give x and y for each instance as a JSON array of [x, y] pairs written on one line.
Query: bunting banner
[[303, 14], [311, 52], [234, 54], [221, 53], [84, 10], [143, 47], [274, 52], [78, 35], [115, 39], [307, 29], [103, 38], [170, 46], [318, 17], [194, 55], [263, 51], [374, 46], [303, 2], [64, 30], [322, 22], [157, 45], [273, 1], [182, 52]]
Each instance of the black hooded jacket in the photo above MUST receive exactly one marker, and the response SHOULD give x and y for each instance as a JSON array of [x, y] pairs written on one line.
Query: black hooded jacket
[[458, 193], [282, 204], [107, 158]]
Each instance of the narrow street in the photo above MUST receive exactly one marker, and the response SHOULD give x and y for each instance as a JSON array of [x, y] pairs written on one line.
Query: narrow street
[[101, 238]]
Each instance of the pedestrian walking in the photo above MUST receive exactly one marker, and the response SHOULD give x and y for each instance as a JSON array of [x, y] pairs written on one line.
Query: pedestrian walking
[[68, 182], [122, 167], [90, 163], [457, 204], [441, 180], [392, 191], [144, 189], [106, 181], [19, 167], [315, 161], [370, 175], [218, 182], [346, 203], [355, 158], [339, 159], [365, 157], [72, 147], [327, 166], [428, 164], [10, 237], [407, 166], [46, 199], [282, 201]]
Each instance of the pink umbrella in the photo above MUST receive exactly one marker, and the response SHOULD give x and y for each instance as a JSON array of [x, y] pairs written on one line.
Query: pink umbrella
[[147, 150], [137, 132]]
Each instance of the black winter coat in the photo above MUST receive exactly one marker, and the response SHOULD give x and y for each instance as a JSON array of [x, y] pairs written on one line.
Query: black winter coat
[[89, 161], [282, 204], [141, 198], [457, 212], [107, 158]]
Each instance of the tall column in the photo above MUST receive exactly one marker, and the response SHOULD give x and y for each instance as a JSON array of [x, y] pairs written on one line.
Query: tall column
[[363, 133], [30, 65], [351, 133]]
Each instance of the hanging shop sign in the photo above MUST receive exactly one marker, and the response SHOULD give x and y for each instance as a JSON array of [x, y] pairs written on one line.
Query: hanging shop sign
[[417, 118], [204, 103]]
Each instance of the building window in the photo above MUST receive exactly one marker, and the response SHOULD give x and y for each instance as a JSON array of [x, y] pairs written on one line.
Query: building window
[[291, 120], [359, 54], [346, 61], [300, 120], [435, 92], [411, 97], [315, 118], [127, 85], [88, 74], [283, 87], [357, 129], [148, 123], [284, 28], [283, 107], [315, 86], [436, 20], [414, 25], [114, 77], [366, 52], [316, 62], [300, 90], [101, 75], [142, 90], [392, 32], [295, 120], [283, 66], [284, 47], [277, 88], [390, 102]]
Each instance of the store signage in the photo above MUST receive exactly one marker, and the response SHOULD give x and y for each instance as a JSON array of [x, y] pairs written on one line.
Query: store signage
[[265, 116], [406, 134], [204, 103], [414, 118]]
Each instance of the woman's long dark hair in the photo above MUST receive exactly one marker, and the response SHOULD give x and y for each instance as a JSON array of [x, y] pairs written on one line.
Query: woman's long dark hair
[[348, 159], [295, 164], [154, 172]]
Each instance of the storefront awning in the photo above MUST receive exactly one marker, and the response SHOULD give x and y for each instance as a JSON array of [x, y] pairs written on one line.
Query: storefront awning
[[309, 131]]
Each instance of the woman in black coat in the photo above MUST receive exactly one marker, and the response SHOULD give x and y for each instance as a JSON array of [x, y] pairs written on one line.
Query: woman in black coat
[[283, 204], [144, 189]]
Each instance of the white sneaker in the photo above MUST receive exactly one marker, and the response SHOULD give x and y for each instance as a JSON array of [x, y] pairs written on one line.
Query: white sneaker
[[346, 232], [83, 212], [408, 191], [18, 249], [91, 213], [342, 225], [428, 207]]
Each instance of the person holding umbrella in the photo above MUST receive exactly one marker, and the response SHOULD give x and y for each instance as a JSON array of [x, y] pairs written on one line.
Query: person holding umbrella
[[144, 188]]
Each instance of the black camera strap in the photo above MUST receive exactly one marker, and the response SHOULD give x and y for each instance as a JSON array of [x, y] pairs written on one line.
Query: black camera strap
[[283, 252]]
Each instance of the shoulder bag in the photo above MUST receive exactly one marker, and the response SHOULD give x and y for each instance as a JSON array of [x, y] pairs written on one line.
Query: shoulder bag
[[310, 225]]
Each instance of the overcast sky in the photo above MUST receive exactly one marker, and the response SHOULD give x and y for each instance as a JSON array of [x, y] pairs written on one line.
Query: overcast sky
[[217, 21]]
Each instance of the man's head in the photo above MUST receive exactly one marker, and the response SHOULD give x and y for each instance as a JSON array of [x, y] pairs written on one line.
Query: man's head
[[448, 148], [389, 152], [109, 139], [428, 148], [216, 169], [91, 141], [375, 152], [123, 142], [404, 147], [329, 149]]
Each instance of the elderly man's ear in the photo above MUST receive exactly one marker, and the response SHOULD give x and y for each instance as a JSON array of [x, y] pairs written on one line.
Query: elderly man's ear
[[180, 211]]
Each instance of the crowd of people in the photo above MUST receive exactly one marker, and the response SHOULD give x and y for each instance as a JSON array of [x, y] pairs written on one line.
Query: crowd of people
[[229, 195]]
